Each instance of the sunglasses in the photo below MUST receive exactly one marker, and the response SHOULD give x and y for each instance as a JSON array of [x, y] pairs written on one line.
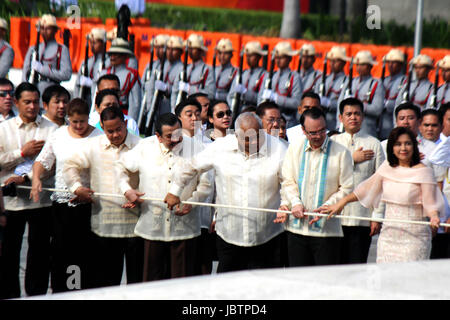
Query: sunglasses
[[4, 93], [222, 114]]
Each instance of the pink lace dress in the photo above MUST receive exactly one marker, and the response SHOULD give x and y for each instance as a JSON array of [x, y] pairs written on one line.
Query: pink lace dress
[[409, 194]]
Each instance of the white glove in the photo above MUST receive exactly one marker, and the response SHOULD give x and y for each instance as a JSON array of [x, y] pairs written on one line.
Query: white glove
[[184, 86], [324, 101], [267, 94], [85, 81], [241, 89], [161, 86], [37, 66]]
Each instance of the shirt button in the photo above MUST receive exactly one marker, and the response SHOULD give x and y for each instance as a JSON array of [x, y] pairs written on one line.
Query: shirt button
[[170, 168], [169, 181], [167, 220]]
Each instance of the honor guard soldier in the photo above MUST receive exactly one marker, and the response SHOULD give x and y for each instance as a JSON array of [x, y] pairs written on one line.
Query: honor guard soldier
[[334, 84], [309, 76], [443, 93], [130, 92], [395, 60], [286, 89], [420, 89], [225, 73], [131, 61], [172, 69], [200, 76], [97, 38], [252, 78], [158, 43], [53, 63], [6, 51], [367, 89]]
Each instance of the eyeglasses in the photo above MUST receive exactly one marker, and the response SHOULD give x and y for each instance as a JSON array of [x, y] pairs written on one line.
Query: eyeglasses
[[316, 133], [4, 93], [222, 114], [273, 120]]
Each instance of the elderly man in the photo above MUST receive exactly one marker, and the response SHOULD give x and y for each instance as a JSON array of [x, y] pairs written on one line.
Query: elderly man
[[252, 78], [334, 83], [421, 88], [247, 168], [21, 140], [53, 64], [6, 100], [130, 92], [395, 60], [113, 226], [368, 90], [199, 77], [286, 87], [309, 76], [367, 155], [316, 171], [170, 237], [6, 51], [225, 73]]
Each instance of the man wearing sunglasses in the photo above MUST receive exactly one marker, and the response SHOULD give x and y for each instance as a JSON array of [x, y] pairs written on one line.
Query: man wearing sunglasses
[[6, 99], [316, 171], [6, 51]]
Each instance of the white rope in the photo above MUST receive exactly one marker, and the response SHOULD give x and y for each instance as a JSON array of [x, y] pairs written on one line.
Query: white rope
[[227, 206]]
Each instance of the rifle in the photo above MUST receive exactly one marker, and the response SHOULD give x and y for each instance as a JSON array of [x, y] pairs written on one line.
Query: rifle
[[103, 65], [183, 76], [85, 91], [408, 85], [324, 78], [268, 83], [265, 58], [214, 65], [157, 96], [235, 104], [34, 76], [383, 71], [142, 118], [348, 90], [300, 62], [435, 89]]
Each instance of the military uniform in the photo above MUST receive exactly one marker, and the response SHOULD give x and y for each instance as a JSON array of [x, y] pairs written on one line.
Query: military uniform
[[419, 93], [94, 68], [310, 79], [56, 63], [130, 91], [371, 92], [253, 80], [443, 95], [6, 58], [334, 84], [288, 86], [200, 79], [224, 76], [392, 86]]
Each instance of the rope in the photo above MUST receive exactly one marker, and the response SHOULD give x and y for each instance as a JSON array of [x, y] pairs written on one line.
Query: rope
[[226, 206]]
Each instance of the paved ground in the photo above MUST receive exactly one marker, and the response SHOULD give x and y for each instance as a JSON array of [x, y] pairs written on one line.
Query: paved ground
[[371, 259]]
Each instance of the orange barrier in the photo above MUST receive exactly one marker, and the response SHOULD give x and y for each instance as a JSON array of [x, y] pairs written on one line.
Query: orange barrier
[[23, 35]]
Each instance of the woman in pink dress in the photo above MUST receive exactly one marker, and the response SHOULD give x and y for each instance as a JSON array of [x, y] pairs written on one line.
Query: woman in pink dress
[[410, 192]]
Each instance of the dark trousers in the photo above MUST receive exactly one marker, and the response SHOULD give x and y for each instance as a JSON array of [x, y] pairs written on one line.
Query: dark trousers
[[206, 252], [355, 244], [234, 258], [313, 251], [440, 246], [169, 259], [71, 246], [38, 255], [109, 260]]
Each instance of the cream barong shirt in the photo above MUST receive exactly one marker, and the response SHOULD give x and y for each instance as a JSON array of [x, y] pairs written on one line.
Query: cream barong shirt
[[108, 218], [241, 180], [156, 165], [361, 172], [337, 182]]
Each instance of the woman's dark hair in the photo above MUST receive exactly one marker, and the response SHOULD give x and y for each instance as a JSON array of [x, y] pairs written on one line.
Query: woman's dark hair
[[103, 93], [210, 113], [78, 106], [393, 137]]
